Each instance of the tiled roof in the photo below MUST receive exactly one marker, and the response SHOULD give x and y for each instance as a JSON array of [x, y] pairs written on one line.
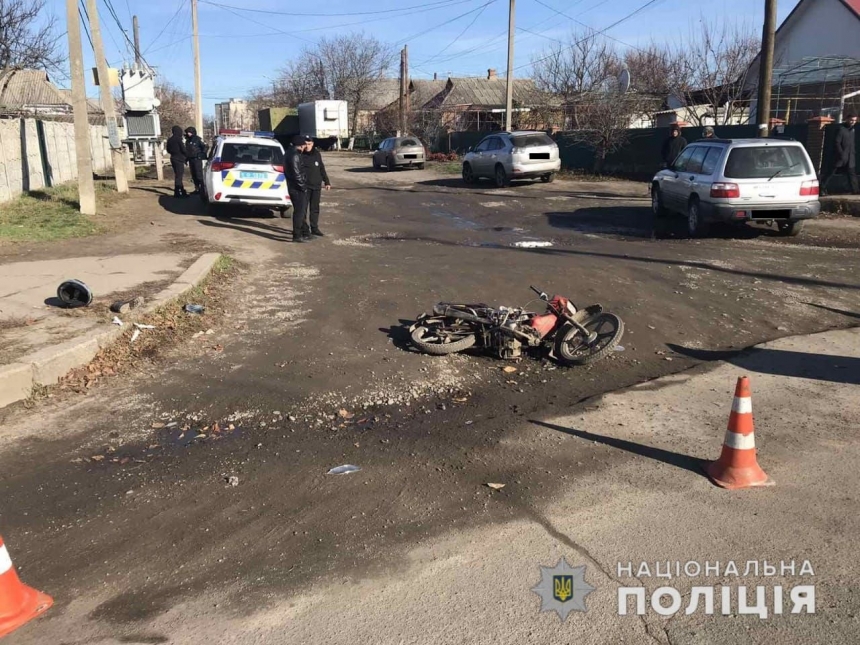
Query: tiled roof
[[22, 88]]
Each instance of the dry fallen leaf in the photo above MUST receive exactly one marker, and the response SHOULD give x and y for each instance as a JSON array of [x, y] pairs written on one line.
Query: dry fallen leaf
[[200, 436], [157, 425], [496, 486], [460, 400], [509, 369], [97, 457]]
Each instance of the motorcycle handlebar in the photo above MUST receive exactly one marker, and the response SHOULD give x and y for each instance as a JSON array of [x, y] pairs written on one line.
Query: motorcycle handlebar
[[540, 294]]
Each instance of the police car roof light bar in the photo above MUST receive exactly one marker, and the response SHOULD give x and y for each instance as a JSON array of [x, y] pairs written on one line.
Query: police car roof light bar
[[225, 132]]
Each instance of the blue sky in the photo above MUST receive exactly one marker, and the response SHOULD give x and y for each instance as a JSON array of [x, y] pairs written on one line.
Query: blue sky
[[243, 49]]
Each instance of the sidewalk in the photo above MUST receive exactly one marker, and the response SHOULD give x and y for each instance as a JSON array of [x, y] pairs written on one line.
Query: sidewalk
[[40, 341]]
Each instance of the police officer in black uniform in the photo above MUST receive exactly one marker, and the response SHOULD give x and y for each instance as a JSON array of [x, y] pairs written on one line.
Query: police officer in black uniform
[[178, 157], [318, 180], [195, 150], [297, 185]]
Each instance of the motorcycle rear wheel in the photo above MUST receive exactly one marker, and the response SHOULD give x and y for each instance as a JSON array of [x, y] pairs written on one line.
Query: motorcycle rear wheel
[[571, 348], [440, 337]]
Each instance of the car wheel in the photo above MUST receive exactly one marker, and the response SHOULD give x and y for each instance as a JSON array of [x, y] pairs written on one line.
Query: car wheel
[[391, 167], [548, 178], [501, 176], [420, 166], [468, 174], [657, 207], [790, 229], [375, 163], [696, 226]]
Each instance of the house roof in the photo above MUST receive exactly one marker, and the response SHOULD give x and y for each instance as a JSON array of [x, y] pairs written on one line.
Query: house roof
[[94, 106], [25, 88], [486, 92], [853, 5], [382, 93], [422, 91]]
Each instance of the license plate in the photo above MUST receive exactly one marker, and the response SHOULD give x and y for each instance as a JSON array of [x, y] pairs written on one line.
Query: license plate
[[410, 156], [252, 175]]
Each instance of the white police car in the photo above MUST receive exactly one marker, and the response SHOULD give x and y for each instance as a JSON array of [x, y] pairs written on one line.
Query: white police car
[[246, 168]]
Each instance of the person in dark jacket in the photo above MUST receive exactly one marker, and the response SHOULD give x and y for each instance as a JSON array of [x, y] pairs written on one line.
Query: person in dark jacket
[[844, 160], [673, 145], [178, 157], [195, 150], [297, 185], [317, 181]]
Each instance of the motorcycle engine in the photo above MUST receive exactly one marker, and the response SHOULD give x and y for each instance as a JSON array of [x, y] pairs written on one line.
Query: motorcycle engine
[[510, 348]]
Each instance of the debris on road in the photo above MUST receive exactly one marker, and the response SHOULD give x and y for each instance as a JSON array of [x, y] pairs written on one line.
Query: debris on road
[[495, 486], [124, 306], [532, 244], [139, 326], [233, 481], [117, 321], [344, 470], [194, 309], [135, 335], [509, 369], [157, 425], [619, 348]]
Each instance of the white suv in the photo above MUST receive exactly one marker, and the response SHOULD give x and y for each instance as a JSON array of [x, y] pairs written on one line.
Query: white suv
[[504, 156], [739, 180], [246, 168]]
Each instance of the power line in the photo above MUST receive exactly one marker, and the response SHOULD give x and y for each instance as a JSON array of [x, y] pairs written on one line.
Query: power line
[[602, 31], [86, 23], [169, 22], [426, 31], [582, 24], [458, 36], [323, 15]]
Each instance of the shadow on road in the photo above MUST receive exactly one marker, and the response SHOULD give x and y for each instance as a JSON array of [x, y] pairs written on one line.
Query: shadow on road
[[399, 335], [842, 312], [685, 462], [267, 231], [554, 251], [782, 362]]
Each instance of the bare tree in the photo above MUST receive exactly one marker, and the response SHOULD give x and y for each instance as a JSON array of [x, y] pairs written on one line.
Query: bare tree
[[653, 69], [605, 117], [346, 67], [711, 69], [176, 108], [28, 38], [571, 71]]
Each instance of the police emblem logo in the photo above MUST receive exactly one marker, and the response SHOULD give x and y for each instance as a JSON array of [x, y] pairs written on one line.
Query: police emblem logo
[[563, 589]]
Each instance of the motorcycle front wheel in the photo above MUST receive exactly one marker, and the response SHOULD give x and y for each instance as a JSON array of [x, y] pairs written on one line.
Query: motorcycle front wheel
[[573, 348], [440, 337]]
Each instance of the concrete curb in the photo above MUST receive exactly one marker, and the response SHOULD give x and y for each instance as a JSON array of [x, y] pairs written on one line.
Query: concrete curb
[[48, 365], [836, 204]]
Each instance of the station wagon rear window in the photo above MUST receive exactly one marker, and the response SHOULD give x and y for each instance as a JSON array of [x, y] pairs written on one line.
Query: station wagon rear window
[[763, 162], [409, 143], [253, 154], [532, 140]]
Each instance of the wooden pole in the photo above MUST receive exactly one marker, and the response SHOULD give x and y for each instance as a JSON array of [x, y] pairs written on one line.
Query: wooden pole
[[86, 187]]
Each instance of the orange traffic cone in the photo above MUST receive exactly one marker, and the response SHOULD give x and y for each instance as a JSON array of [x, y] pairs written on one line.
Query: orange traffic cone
[[737, 466], [19, 603]]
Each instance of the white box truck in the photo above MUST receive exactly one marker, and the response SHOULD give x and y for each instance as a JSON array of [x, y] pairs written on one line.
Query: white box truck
[[324, 119]]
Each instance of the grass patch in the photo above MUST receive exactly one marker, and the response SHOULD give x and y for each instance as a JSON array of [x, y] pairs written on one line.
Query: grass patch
[[447, 167], [52, 214], [584, 175]]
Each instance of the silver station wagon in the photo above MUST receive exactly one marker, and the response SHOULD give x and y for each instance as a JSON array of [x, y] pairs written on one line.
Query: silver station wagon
[[739, 180]]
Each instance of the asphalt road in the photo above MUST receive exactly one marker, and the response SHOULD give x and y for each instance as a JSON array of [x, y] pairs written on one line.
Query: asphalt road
[[128, 548]]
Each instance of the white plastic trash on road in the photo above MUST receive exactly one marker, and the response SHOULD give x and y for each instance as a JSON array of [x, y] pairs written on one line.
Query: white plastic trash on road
[[532, 244], [344, 470]]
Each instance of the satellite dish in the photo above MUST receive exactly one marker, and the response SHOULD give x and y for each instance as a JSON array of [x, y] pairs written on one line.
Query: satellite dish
[[624, 80]]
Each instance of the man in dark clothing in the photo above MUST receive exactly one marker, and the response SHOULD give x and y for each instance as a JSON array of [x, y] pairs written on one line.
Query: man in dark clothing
[[317, 180], [844, 158], [297, 185], [673, 145], [178, 157], [195, 150], [708, 133]]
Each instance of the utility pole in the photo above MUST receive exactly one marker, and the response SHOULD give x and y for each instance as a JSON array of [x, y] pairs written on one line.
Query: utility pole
[[509, 90], [198, 91], [117, 150], [136, 25], [765, 76], [86, 188], [401, 121], [406, 88]]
